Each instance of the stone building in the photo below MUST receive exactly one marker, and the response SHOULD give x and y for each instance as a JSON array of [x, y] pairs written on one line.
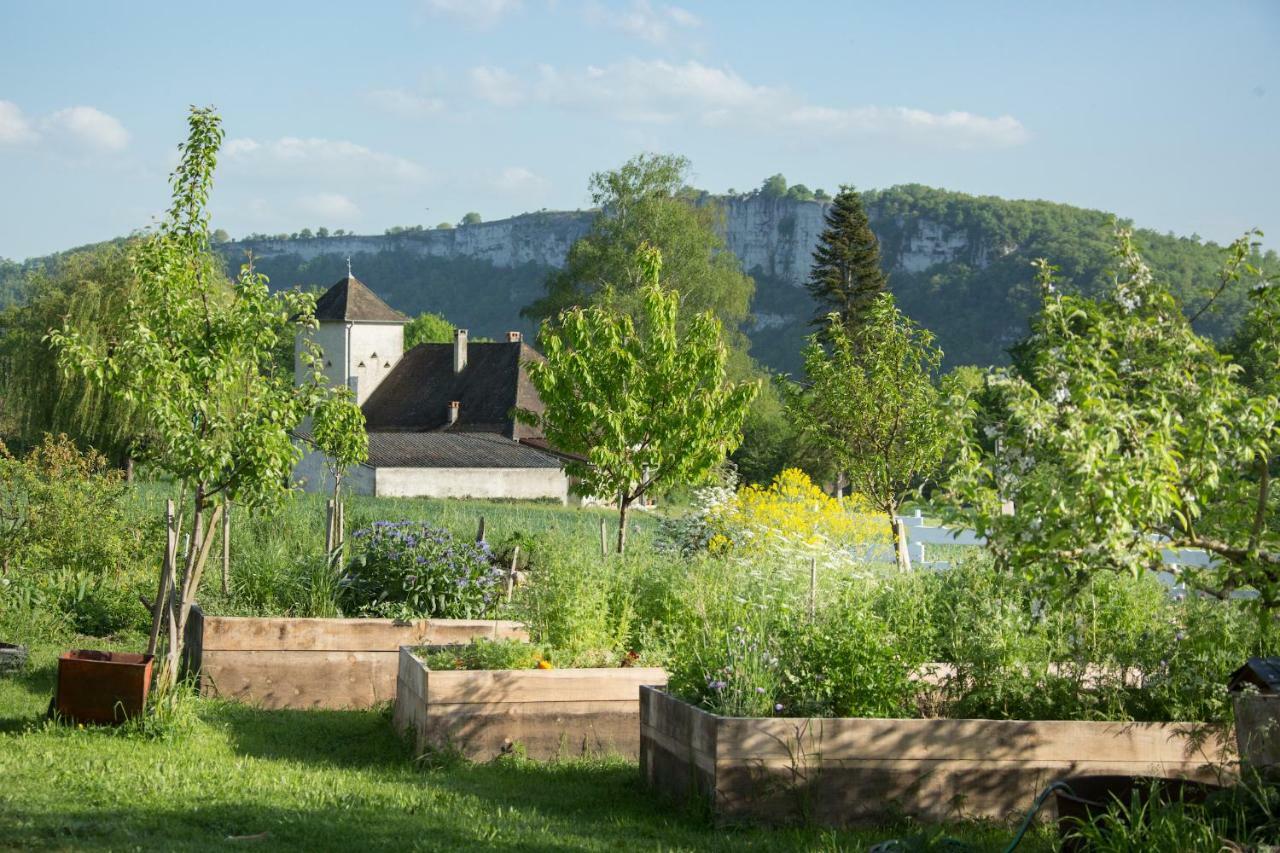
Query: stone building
[[439, 416]]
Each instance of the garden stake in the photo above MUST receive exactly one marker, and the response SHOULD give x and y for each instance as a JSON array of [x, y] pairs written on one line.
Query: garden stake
[[813, 587], [226, 546], [157, 609], [480, 531], [604, 540], [328, 527], [511, 575]]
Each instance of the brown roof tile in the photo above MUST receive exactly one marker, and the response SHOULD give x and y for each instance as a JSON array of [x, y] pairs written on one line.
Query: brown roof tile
[[352, 300]]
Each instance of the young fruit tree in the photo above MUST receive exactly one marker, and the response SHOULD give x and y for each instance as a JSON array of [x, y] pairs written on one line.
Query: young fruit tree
[[637, 406], [196, 358], [1123, 433], [338, 431], [871, 406]]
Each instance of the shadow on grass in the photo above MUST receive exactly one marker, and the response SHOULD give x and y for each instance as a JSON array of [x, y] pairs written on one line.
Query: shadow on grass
[[317, 737], [24, 696]]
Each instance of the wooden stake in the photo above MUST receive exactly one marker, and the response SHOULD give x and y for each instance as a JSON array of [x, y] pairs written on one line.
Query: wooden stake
[[328, 528], [480, 530], [813, 587], [226, 547], [604, 540], [904, 545], [511, 575], [158, 609]]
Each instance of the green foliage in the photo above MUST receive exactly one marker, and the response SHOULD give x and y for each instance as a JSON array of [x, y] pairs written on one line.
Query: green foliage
[[1123, 423], [407, 570], [645, 202], [774, 186], [338, 431], [471, 218], [641, 406], [872, 408], [427, 328], [846, 278], [483, 653], [66, 543], [87, 291]]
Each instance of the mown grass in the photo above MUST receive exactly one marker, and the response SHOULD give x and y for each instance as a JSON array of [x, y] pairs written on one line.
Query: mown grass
[[226, 776]]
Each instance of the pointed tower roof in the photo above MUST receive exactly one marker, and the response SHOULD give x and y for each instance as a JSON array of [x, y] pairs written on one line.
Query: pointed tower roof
[[352, 301]]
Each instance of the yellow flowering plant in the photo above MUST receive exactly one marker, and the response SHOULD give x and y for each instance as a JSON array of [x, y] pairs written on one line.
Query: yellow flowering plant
[[793, 517]]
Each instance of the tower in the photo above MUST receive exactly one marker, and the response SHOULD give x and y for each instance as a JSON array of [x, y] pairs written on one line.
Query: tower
[[361, 337]]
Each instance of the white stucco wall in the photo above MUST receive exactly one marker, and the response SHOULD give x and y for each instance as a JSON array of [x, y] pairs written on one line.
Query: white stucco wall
[[358, 354], [508, 483]]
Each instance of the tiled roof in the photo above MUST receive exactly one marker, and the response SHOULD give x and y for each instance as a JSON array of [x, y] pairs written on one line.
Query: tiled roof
[[453, 450], [351, 300], [415, 395]]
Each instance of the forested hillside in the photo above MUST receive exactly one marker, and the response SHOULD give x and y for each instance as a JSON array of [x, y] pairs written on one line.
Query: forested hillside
[[958, 264]]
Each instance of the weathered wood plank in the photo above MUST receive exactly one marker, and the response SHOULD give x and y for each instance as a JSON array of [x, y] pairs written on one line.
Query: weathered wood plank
[[297, 679], [251, 633], [541, 685]]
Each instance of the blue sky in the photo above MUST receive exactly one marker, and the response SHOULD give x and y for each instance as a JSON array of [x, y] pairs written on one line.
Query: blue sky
[[367, 115]]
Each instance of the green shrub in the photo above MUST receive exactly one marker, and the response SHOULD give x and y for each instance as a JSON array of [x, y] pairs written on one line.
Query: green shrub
[[408, 570], [482, 653]]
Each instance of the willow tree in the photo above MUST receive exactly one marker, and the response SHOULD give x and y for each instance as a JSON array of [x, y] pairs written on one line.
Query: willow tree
[[638, 407], [196, 358], [87, 291]]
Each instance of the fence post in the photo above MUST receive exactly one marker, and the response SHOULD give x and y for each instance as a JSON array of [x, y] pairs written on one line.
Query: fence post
[[226, 546], [511, 575], [604, 540], [480, 530], [813, 587], [158, 609]]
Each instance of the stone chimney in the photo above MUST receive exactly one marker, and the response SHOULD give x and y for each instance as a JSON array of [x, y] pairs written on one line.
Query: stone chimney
[[454, 408], [459, 350], [514, 337]]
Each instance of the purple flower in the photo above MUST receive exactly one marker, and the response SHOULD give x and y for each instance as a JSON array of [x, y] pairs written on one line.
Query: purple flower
[[717, 685], [777, 707]]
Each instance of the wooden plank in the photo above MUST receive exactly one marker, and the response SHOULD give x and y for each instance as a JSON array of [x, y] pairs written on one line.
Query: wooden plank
[[542, 731], [251, 633], [766, 739], [540, 685], [683, 749], [678, 719], [292, 679]]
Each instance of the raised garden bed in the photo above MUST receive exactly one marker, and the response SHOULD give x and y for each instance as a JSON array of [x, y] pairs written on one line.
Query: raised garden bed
[[842, 772], [315, 663], [545, 713]]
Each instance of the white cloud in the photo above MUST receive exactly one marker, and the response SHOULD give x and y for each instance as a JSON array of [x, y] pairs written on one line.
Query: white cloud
[[14, 127], [497, 86], [517, 180], [330, 205], [474, 13], [642, 19], [81, 126], [290, 158], [404, 103], [660, 92], [90, 127]]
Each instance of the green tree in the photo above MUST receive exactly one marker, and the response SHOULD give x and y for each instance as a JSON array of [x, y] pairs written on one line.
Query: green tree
[[322, 232], [471, 218], [87, 291], [646, 202], [640, 407], [774, 187], [846, 278], [197, 359], [427, 328], [444, 226], [1124, 424], [219, 237], [338, 431], [305, 234], [872, 407], [799, 192]]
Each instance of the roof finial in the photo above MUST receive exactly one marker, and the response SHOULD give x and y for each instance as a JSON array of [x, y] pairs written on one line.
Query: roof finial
[[348, 266]]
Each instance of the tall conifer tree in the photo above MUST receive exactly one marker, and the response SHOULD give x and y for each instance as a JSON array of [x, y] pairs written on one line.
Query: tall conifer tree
[[846, 277]]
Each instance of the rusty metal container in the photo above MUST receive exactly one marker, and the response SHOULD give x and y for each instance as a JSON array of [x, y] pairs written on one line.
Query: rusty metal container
[[102, 687]]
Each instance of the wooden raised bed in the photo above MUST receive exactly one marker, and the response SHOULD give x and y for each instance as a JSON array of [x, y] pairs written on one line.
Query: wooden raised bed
[[840, 772], [315, 663], [546, 713]]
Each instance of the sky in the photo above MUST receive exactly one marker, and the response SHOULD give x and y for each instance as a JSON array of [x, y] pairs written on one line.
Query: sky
[[368, 115]]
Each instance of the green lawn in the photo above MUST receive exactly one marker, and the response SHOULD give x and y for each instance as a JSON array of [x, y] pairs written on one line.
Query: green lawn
[[239, 778]]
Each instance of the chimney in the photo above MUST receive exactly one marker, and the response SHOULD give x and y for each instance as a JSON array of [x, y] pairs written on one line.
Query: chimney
[[514, 337], [459, 350], [454, 407]]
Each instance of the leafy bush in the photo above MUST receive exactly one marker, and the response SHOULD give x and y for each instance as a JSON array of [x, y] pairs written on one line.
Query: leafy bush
[[66, 541], [408, 570], [482, 653]]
